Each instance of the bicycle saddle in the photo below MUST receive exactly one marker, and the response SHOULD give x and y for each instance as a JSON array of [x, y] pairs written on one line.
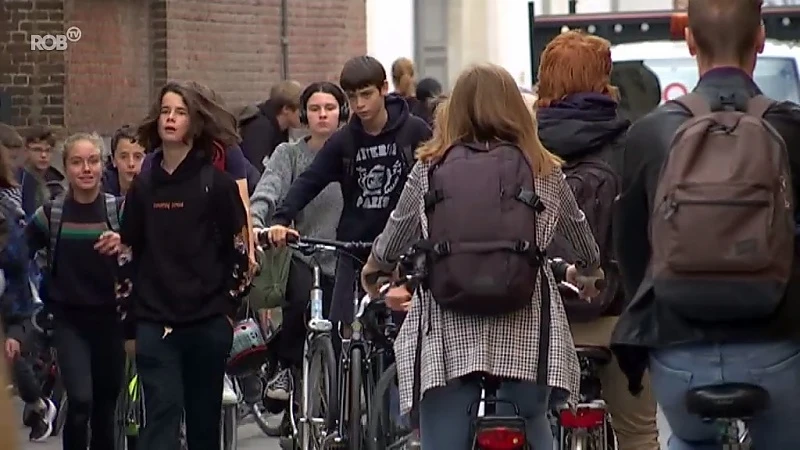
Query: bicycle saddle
[[727, 401], [600, 355]]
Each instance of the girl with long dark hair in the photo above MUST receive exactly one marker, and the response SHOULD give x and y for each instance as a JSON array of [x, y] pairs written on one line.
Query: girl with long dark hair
[[184, 264]]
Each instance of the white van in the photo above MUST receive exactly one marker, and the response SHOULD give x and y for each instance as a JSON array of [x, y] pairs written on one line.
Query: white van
[[777, 70]]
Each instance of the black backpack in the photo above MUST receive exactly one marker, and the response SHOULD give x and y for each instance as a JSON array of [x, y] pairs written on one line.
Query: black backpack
[[595, 186], [482, 254]]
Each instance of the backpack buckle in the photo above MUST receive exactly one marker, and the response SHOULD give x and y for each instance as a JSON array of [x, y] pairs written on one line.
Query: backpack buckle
[[530, 198], [442, 248]]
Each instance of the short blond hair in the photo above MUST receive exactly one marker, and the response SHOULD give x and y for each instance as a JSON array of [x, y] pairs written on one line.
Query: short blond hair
[[286, 94]]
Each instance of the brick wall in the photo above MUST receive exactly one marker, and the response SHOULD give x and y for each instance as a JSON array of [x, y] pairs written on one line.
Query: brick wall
[[129, 48]]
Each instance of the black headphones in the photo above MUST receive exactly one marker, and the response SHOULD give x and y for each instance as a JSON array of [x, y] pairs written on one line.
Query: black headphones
[[328, 88]]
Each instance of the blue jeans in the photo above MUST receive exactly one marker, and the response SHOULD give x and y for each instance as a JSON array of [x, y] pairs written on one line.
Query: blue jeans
[[774, 366], [445, 422]]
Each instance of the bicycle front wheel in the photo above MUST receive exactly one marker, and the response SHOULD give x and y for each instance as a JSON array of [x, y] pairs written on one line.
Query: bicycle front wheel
[[386, 429], [322, 388], [354, 427], [230, 425]]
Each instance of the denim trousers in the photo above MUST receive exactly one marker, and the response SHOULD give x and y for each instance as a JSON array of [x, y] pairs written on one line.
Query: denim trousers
[[774, 366], [445, 422]]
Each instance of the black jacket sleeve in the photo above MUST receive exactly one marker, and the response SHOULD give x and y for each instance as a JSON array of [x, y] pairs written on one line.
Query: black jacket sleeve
[[132, 235], [326, 168], [258, 138]]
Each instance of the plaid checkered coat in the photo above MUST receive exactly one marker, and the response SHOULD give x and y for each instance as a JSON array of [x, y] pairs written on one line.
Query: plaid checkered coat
[[453, 344]]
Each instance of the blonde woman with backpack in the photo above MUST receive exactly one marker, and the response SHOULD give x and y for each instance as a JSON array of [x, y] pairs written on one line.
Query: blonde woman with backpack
[[483, 198]]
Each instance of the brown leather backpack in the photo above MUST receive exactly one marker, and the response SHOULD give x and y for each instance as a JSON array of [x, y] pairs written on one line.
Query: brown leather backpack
[[722, 226], [483, 258]]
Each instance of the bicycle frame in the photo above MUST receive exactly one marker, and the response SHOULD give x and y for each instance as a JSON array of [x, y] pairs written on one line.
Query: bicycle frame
[[317, 326]]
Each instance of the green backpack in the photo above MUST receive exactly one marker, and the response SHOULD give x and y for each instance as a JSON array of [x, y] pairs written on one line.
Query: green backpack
[[268, 289]]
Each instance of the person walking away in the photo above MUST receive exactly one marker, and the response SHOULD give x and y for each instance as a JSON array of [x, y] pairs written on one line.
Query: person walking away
[[184, 266], [78, 230], [370, 157], [428, 92], [124, 163], [577, 113], [40, 181], [17, 305], [324, 108], [14, 144], [482, 180], [714, 283], [404, 83], [269, 127]]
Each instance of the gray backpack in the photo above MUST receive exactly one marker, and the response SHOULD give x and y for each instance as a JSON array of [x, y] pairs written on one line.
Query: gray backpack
[[483, 258]]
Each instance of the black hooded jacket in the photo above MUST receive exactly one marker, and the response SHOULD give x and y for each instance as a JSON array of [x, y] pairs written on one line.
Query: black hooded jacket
[[261, 133]]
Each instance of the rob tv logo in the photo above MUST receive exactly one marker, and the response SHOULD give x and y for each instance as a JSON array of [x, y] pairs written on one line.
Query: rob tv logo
[[50, 42]]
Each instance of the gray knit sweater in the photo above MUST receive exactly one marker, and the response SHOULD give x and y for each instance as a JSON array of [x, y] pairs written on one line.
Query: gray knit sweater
[[319, 219]]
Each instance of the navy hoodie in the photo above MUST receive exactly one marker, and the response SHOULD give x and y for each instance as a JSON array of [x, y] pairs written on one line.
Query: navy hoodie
[[379, 167]]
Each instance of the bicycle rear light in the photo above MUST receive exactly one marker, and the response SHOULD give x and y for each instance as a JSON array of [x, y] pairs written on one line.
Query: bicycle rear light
[[500, 438], [582, 417]]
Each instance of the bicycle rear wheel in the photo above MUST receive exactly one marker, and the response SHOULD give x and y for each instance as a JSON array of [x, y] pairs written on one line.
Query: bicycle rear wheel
[[385, 427], [355, 437], [322, 391]]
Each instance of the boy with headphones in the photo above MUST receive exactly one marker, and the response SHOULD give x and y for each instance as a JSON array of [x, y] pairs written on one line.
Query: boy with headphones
[[323, 108]]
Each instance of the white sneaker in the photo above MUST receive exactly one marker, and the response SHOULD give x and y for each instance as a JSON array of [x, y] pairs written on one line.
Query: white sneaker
[[229, 396]]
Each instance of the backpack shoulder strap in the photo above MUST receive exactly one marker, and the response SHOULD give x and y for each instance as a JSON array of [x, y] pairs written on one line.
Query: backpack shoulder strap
[[404, 140], [695, 103], [112, 211], [759, 105], [207, 177], [54, 224]]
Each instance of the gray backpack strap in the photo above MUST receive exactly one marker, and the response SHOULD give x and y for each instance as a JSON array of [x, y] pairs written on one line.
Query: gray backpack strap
[[54, 222], [112, 211], [759, 105]]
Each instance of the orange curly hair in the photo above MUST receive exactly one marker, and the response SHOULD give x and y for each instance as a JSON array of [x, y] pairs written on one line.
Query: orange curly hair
[[572, 63]]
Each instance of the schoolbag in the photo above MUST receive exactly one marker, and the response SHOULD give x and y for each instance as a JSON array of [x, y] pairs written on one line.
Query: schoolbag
[[112, 207], [595, 186], [17, 297], [403, 140], [482, 254], [722, 225]]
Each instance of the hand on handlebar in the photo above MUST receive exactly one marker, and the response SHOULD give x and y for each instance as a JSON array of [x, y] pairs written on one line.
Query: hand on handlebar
[[589, 283], [278, 235], [398, 298]]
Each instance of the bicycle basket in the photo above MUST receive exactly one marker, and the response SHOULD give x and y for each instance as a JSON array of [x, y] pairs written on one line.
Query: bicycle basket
[[249, 349]]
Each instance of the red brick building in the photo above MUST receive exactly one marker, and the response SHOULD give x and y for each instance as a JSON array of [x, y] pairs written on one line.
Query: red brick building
[[129, 48]]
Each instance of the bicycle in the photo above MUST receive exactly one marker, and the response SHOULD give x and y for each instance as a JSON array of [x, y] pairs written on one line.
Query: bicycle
[[336, 426], [588, 426], [728, 406], [46, 367], [130, 409], [386, 429]]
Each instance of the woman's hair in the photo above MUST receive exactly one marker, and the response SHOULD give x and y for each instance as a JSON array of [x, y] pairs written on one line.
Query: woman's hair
[[486, 105], [428, 88], [574, 62], [9, 138], [325, 87], [209, 121], [403, 77], [70, 142]]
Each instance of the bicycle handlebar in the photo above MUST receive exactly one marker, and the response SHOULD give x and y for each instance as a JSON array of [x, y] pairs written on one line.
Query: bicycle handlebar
[[314, 244]]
